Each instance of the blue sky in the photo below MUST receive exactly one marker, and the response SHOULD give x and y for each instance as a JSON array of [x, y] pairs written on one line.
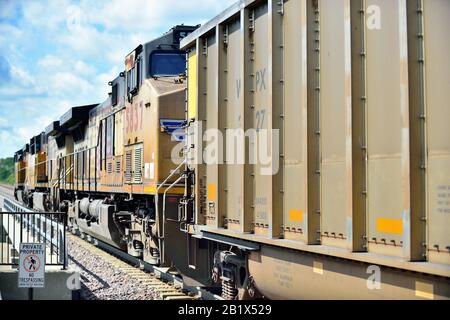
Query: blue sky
[[62, 53]]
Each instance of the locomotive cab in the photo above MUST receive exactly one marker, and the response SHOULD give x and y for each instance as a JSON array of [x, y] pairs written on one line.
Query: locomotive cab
[[159, 58], [125, 177], [155, 108]]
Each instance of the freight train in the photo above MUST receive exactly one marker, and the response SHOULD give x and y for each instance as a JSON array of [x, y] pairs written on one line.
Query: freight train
[[293, 149]]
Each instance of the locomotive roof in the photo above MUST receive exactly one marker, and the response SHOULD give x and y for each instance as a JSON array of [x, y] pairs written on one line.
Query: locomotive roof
[[171, 39], [52, 129], [76, 115]]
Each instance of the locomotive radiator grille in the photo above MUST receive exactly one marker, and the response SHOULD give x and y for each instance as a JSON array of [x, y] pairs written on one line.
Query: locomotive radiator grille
[[128, 166], [138, 165]]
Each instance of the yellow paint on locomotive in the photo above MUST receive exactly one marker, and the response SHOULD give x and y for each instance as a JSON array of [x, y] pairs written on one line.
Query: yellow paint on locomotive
[[192, 84], [142, 157], [147, 150]]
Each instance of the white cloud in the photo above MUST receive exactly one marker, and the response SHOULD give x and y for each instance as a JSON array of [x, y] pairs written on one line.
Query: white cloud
[[82, 68], [8, 32], [66, 83], [103, 79], [19, 136], [22, 76], [50, 61], [79, 66], [134, 15], [44, 15], [22, 83], [64, 53], [5, 136]]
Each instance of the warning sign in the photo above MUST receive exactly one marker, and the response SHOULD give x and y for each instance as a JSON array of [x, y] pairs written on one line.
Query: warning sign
[[32, 265]]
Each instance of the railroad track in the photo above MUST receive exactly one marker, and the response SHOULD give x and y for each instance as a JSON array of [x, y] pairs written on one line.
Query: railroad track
[[160, 288], [168, 285], [7, 190], [163, 284]]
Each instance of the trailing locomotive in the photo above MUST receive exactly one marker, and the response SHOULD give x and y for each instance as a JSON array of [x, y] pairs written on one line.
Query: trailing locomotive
[[349, 204], [105, 163]]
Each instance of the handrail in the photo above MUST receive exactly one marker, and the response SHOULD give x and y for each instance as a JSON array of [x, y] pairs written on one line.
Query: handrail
[[55, 159], [157, 201], [164, 208], [77, 152]]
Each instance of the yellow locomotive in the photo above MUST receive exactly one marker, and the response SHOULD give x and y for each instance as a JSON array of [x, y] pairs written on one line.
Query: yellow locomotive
[[104, 164]]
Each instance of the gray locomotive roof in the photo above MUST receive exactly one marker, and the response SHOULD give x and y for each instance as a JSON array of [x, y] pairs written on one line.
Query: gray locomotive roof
[[165, 39], [211, 24], [75, 114]]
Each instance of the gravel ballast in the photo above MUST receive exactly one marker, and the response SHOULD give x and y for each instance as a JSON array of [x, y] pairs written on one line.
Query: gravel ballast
[[100, 280]]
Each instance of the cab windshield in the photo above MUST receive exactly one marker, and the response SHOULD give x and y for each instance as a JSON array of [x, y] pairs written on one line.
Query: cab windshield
[[167, 63]]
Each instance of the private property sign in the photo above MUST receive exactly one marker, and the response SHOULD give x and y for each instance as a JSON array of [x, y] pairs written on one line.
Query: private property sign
[[32, 265]]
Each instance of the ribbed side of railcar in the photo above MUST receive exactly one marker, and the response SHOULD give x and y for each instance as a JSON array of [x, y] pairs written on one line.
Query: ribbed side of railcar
[[356, 92]]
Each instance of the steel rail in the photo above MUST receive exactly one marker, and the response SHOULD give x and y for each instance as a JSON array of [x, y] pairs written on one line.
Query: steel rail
[[161, 273]]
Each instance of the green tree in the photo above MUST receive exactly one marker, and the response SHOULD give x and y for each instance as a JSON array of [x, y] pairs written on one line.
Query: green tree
[[7, 170]]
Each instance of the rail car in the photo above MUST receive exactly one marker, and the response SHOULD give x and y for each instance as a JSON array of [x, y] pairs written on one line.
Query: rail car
[[312, 152], [352, 95]]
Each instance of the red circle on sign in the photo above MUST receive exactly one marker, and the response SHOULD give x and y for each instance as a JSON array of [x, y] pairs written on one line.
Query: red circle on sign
[[31, 263]]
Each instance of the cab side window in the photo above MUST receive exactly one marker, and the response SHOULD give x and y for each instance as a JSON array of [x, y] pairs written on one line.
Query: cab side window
[[115, 94], [134, 77]]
